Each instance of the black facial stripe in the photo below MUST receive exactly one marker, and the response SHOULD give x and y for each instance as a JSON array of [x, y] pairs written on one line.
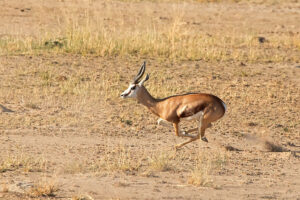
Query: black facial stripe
[[133, 87]]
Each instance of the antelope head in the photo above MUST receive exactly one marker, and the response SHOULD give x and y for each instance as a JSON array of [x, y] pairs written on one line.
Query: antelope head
[[135, 86]]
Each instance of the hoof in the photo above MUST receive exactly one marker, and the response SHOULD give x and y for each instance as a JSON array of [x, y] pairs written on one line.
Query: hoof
[[204, 139]]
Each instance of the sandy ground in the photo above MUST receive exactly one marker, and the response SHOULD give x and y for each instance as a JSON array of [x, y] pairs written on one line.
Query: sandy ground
[[62, 123]]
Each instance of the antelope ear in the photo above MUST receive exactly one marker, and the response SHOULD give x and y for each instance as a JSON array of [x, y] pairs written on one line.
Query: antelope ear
[[145, 79]]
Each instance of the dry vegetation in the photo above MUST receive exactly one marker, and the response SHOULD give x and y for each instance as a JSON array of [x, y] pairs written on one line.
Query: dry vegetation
[[63, 66], [173, 42], [23, 162], [43, 189], [177, 40], [82, 197]]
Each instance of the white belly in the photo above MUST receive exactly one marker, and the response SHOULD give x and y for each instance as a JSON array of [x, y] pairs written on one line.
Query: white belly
[[193, 117]]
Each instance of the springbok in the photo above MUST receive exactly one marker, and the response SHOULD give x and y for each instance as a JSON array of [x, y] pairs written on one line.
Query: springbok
[[204, 108]]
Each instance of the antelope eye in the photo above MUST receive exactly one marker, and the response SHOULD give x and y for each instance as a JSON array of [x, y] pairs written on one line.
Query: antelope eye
[[133, 87]]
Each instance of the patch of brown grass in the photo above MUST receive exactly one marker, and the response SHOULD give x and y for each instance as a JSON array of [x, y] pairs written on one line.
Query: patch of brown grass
[[206, 163], [160, 162], [113, 159], [76, 167], [43, 189], [200, 176], [25, 162], [120, 158], [82, 197], [173, 42]]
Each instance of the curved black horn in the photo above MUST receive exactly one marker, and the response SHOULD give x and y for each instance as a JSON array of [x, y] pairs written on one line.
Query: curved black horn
[[140, 74]]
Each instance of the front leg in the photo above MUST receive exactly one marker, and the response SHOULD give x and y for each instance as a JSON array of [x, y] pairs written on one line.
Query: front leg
[[195, 129], [163, 122], [175, 125], [191, 130], [192, 138], [180, 133]]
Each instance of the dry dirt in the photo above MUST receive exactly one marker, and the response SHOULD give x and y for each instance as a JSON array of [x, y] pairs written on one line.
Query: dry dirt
[[63, 124]]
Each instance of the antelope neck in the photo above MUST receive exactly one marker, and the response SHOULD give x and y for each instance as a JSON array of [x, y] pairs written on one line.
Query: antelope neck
[[147, 100]]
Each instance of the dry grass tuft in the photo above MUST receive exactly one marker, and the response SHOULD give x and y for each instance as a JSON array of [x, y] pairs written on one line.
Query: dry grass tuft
[[25, 162], [206, 163], [200, 175], [120, 159], [160, 162], [113, 159], [82, 197], [43, 189], [82, 166]]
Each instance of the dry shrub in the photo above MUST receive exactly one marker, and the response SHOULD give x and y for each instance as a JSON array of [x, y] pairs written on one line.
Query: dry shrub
[[206, 164], [200, 175], [25, 162], [43, 189], [82, 197], [160, 162], [120, 158], [81, 166]]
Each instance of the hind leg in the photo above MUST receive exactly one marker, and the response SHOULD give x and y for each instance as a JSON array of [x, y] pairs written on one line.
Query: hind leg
[[184, 143], [202, 125], [202, 133], [209, 117], [193, 138]]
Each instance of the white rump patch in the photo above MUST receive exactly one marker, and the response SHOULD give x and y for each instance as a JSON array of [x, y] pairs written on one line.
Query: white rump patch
[[224, 105]]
